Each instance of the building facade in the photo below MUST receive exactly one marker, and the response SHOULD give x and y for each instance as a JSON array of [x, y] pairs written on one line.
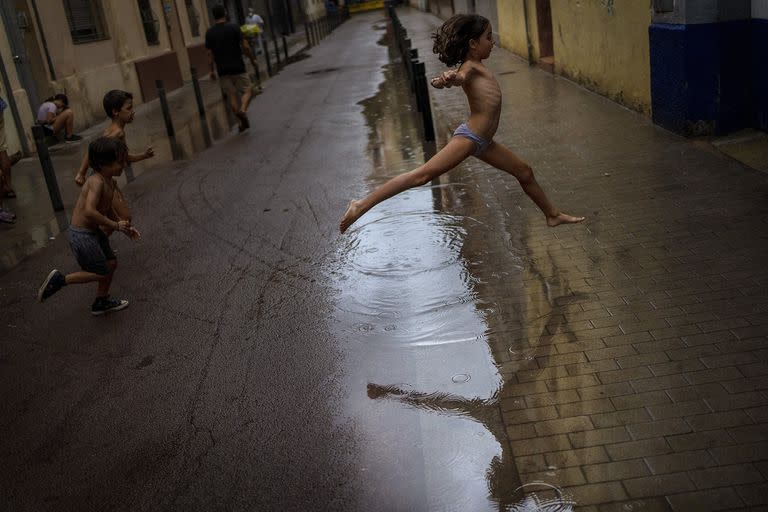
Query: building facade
[[83, 48]]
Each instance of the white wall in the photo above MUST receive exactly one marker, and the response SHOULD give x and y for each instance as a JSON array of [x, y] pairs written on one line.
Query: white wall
[[760, 9]]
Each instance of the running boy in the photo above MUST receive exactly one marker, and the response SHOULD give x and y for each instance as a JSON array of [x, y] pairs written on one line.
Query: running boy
[[465, 39], [118, 106], [87, 238]]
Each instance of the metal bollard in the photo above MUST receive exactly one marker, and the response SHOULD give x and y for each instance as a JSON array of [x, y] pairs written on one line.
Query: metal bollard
[[45, 162], [277, 52], [406, 52], [285, 48], [201, 108], [306, 33], [175, 149], [412, 60], [421, 84]]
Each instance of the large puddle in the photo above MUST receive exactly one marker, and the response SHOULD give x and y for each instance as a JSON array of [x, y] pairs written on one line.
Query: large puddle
[[439, 306]]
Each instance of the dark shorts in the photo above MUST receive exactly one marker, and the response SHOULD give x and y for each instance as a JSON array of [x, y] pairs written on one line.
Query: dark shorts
[[91, 250]]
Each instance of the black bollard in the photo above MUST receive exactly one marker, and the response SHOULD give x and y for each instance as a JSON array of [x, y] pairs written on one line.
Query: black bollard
[[201, 108], [175, 149], [412, 60], [421, 84], [277, 52], [45, 162], [306, 33], [285, 48]]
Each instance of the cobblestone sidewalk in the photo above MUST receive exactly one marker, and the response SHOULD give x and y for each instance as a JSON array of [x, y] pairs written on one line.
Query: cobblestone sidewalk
[[647, 387]]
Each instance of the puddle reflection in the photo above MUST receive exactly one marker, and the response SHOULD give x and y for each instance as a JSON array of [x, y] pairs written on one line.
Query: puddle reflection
[[438, 293]]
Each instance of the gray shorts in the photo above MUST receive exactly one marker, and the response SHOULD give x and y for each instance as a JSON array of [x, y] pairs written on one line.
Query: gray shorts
[[91, 250]]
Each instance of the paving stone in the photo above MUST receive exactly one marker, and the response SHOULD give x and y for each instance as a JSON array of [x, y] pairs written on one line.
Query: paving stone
[[677, 462], [601, 436], [755, 494], [699, 440], [638, 449], [658, 485], [577, 457], [591, 494], [678, 410], [615, 471], [723, 476], [627, 417], [717, 420], [706, 501], [659, 428]]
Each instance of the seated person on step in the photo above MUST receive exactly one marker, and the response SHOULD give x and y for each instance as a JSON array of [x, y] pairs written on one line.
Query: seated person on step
[[55, 116]]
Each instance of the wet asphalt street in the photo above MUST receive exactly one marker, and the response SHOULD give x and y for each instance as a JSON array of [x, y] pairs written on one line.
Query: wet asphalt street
[[446, 351]]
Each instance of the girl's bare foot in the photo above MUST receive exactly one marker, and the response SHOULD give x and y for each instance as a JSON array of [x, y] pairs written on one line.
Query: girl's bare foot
[[562, 218], [351, 215]]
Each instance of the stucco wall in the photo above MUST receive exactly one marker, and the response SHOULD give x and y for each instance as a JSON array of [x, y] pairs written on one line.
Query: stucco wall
[[511, 29], [604, 45], [18, 94], [86, 71]]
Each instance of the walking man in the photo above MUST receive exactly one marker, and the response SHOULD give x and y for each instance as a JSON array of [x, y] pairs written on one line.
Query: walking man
[[226, 45]]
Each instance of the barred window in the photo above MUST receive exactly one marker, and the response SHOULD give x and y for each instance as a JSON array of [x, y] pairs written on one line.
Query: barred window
[[194, 18], [150, 22], [86, 20]]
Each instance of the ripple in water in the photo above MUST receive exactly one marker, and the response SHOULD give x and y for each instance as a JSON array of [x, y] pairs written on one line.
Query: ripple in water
[[408, 281], [542, 497], [395, 247]]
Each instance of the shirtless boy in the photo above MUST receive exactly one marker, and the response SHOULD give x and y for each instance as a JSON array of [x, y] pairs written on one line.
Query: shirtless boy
[[90, 220]]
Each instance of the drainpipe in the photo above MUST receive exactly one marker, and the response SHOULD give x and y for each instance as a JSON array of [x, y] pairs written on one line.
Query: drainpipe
[[42, 38], [14, 109], [527, 33]]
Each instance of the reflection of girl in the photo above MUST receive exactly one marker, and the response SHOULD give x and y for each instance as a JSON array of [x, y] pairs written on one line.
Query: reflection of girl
[[466, 39]]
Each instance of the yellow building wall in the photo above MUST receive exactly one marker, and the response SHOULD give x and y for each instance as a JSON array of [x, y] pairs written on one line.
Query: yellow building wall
[[601, 44], [512, 28], [604, 46]]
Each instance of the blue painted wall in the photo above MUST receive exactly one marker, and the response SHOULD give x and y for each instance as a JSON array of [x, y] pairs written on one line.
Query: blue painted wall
[[701, 76], [759, 44]]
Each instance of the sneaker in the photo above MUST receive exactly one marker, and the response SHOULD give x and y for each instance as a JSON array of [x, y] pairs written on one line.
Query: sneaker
[[53, 283], [243, 122], [9, 212], [103, 305], [7, 217], [72, 138]]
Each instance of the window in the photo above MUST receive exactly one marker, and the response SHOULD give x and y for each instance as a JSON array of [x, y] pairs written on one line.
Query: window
[[194, 18], [86, 22], [150, 22], [660, 6]]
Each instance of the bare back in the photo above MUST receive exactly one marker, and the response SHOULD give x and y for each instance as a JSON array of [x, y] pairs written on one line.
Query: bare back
[[484, 97]]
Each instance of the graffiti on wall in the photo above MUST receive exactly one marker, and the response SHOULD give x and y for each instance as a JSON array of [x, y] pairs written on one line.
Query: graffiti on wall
[[608, 4]]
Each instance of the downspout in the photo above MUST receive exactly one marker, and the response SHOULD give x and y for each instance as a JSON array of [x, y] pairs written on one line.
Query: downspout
[[14, 110], [42, 38], [528, 33]]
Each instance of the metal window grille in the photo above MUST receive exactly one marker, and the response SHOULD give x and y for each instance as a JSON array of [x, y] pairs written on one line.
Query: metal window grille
[[194, 18], [86, 22], [150, 22]]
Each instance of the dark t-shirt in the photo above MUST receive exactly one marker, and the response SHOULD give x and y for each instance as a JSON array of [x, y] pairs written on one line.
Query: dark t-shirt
[[224, 40]]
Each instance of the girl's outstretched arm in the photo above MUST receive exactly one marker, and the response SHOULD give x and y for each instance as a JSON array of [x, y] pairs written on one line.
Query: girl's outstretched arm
[[450, 78]]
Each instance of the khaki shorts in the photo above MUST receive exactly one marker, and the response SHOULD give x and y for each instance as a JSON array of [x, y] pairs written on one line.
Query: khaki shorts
[[236, 84], [3, 142]]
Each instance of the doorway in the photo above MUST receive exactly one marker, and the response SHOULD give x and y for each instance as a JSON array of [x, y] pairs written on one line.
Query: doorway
[[546, 45]]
